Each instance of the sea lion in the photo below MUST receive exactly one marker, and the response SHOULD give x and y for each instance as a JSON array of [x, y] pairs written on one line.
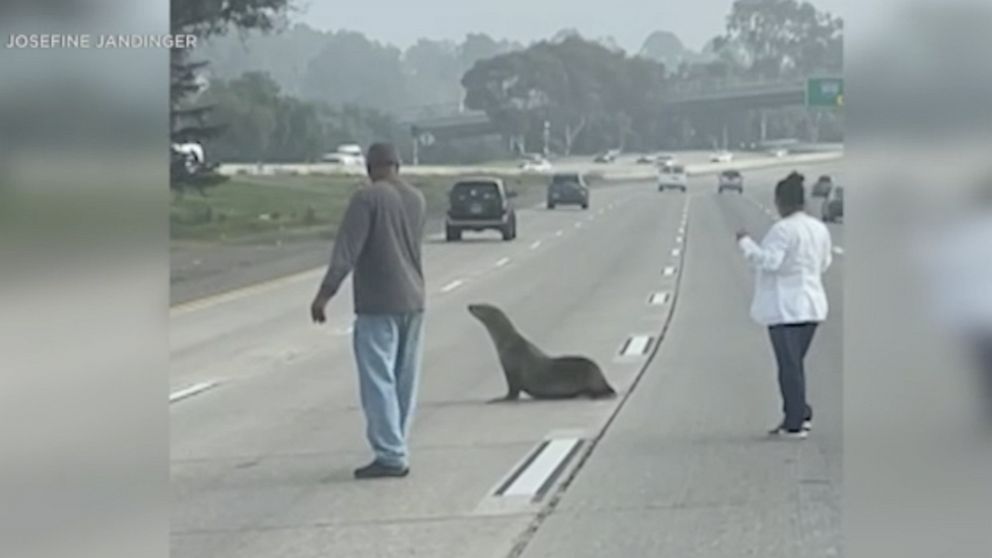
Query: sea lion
[[531, 371]]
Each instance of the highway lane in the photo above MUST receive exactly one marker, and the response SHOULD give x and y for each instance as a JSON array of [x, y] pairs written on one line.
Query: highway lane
[[685, 470], [261, 460], [261, 457]]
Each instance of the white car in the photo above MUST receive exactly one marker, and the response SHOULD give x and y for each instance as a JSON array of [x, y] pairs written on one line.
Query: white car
[[672, 177], [722, 157], [536, 165]]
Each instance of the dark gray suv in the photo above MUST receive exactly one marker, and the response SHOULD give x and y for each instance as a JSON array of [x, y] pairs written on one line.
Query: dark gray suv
[[477, 204], [568, 189]]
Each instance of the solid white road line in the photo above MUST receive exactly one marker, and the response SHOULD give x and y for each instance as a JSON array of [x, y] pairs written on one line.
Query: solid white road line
[[537, 473], [452, 286], [502, 262], [191, 391], [238, 294], [637, 345]]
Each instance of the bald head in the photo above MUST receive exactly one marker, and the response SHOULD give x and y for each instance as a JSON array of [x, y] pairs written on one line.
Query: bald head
[[382, 161]]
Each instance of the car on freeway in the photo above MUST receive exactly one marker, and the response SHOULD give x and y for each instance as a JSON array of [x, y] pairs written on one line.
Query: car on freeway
[[722, 157], [672, 177], [535, 163], [833, 205], [730, 180], [568, 189], [648, 159], [607, 157], [822, 187], [478, 204]]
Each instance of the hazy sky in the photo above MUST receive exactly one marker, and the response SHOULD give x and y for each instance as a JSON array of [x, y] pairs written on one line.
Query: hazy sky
[[402, 22]]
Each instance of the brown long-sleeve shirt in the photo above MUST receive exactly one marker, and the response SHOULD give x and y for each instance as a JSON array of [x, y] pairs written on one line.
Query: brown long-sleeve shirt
[[380, 240]]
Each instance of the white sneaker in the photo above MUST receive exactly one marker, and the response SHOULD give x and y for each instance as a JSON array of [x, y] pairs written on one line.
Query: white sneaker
[[780, 432], [808, 425]]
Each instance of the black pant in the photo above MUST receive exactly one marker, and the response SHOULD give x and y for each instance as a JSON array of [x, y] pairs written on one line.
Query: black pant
[[791, 343]]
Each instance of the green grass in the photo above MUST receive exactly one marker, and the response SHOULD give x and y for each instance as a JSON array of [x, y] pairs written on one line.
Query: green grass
[[248, 207]]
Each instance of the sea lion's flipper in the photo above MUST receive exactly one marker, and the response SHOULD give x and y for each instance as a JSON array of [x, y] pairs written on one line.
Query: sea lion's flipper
[[512, 396], [606, 392]]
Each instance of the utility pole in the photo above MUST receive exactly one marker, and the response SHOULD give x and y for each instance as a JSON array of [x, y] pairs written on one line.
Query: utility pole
[[547, 138]]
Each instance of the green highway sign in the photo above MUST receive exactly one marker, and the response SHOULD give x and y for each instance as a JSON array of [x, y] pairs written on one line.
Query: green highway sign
[[825, 92]]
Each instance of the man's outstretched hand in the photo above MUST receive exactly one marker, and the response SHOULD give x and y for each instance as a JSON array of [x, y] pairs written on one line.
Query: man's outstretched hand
[[317, 308]]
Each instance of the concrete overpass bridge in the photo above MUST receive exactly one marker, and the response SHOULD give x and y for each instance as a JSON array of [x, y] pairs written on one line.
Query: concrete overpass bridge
[[451, 121]]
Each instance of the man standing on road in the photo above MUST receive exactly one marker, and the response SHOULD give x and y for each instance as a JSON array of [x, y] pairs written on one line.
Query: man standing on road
[[789, 297], [380, 239]]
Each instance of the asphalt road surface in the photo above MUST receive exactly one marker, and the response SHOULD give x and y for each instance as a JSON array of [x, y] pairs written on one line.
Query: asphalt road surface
[[266, 429]]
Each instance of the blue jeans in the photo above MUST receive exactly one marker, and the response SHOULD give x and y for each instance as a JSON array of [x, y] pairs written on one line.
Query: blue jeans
[[388, 351]]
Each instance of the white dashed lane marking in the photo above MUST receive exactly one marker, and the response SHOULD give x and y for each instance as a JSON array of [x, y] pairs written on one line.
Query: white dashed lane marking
[[452, 286], [191, 391], [502, 262], [658, 299], [536, 473], [838, 250], [636, 346], [676, 252], [668, 271], [536, 245]]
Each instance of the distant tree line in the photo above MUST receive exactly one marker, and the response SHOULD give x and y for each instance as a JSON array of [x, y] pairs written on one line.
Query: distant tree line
[[293, 93], [266, 125], [595, 97]]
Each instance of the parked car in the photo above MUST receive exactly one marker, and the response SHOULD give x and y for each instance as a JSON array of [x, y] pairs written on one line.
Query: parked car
[[568, 189], [480, 204], [672, 178], [822, 187], [730, 180], [833, 206], [721, 157]]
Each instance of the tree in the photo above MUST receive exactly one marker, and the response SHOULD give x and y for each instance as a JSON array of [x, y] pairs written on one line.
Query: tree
[[249, 104], [268, 125], [432, 70], [582, 88], [351, 69], [190, 119], [776, 38], [479, 46]]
